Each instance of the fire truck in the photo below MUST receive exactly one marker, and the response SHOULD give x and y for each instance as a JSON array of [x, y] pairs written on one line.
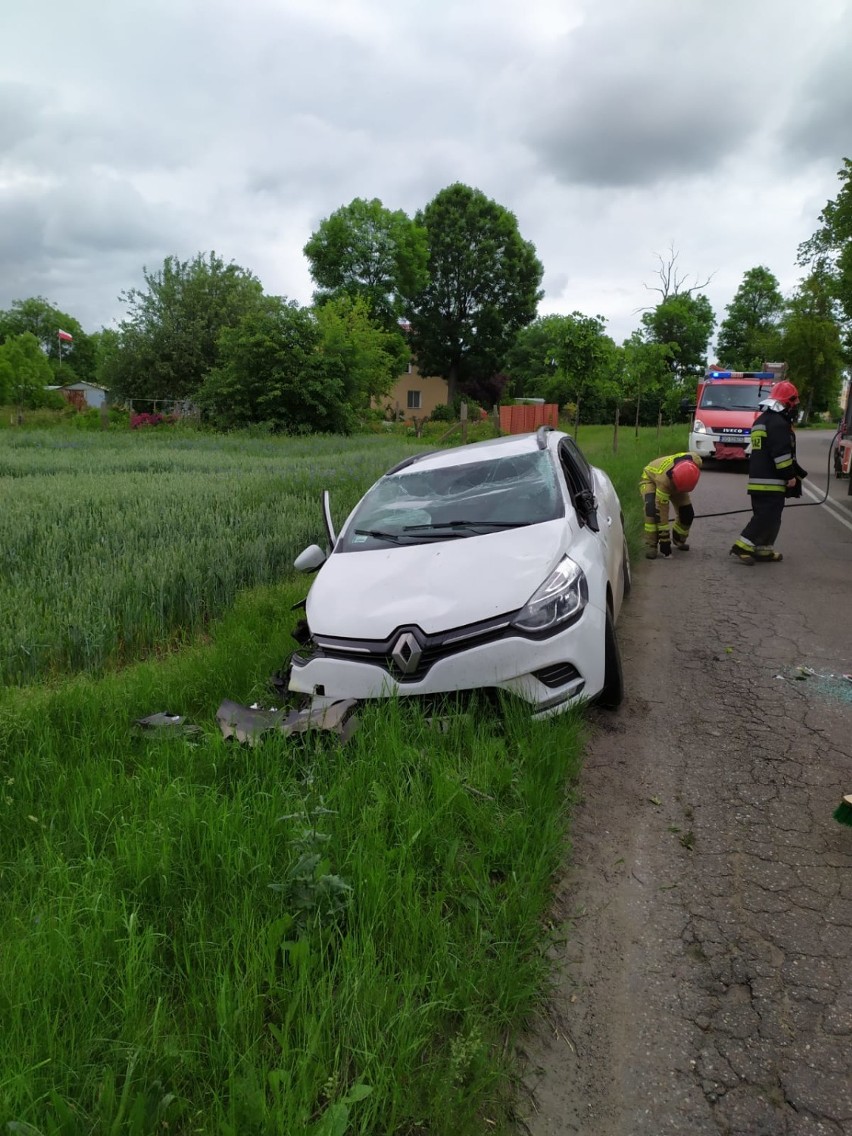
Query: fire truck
[[726, 405]]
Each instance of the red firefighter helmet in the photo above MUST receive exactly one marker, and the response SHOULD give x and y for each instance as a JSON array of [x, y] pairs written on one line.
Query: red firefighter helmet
[[785, 393], [684, 475]]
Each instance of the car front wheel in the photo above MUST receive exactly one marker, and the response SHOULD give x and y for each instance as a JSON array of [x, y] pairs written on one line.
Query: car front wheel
[[612, 695], [626, 571]]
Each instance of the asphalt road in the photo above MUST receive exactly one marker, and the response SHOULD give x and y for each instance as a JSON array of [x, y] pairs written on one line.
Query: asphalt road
[[704, 984]]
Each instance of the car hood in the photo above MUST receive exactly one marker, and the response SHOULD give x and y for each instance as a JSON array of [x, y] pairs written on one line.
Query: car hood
[[436, 585]]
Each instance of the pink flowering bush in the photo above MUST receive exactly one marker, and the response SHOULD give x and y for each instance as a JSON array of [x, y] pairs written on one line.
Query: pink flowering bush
[[138, 421]]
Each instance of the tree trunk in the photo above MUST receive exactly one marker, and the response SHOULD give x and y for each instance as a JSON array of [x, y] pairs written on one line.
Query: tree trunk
[[452, 384], [807, 412]]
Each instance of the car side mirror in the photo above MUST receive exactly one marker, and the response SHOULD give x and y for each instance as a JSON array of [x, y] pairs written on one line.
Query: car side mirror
[[310, 560], [588, 508]]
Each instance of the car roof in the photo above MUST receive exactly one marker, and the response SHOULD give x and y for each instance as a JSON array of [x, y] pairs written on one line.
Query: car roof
[[492, 450]]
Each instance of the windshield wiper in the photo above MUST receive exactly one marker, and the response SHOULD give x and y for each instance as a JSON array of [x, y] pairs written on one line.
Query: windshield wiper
[[398, 537], [377, 534], [467, 525]]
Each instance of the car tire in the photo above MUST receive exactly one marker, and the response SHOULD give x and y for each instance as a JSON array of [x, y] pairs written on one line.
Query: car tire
[[612, 695], [626, 572]]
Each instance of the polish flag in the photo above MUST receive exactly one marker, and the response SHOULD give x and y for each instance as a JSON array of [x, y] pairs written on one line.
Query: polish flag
[[65, 337]]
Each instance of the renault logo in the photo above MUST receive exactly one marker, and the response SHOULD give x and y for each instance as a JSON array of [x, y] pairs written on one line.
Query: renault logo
[[406, 653]]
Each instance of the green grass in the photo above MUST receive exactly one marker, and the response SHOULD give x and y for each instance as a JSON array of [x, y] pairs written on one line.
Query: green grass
[[112, 543], [204, 938], [167, 957], [116, 543]]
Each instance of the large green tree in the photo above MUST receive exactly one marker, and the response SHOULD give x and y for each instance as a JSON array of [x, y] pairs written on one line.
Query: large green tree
[[168, 343], [585, 368], [367, 358], [272, 369], [812, 345], [569, 360], [24, 371], [750, 333], [684, 324], [648, 383], [532, 357], [44, 320], [829, 250], [365, 250], [484, 286]]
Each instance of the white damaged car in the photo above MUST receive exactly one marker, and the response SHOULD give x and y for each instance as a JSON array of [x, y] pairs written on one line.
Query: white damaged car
[[499, 565]]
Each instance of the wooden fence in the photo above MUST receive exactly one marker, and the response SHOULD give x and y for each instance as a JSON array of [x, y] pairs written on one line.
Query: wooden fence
[[526, 418]]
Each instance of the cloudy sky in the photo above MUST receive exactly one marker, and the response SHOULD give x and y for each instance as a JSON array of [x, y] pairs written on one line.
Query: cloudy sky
[[615, 130]]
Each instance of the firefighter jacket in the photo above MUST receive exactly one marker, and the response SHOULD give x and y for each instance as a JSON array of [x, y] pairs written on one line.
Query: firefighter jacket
[[773, 454], [656, 480]]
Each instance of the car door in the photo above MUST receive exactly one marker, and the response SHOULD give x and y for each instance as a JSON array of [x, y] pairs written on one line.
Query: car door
[[597, 509]]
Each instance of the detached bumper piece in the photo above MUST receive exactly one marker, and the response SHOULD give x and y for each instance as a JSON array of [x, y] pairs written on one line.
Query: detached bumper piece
[[248, 724]]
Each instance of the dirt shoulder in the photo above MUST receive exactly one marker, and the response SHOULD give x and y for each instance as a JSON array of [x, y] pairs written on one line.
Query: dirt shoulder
[[705, 985]]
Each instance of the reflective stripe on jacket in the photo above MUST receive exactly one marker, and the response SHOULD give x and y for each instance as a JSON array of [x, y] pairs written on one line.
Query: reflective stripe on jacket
[[773, 453], [656, 480]]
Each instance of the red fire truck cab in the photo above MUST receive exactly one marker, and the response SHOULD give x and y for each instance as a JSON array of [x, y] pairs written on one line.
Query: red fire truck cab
[[726, 405]]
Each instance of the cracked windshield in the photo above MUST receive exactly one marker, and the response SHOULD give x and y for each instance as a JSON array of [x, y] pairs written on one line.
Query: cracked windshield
[[450, 502]]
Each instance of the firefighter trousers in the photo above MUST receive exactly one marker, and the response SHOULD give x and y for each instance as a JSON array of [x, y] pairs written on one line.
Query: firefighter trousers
[[762, 530], [657, 529]]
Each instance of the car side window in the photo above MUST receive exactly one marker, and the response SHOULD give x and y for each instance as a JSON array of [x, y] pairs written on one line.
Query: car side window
[[578, 476]]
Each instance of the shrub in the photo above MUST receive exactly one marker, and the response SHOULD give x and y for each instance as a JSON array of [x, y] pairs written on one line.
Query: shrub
[[140, 421], [443, 413]]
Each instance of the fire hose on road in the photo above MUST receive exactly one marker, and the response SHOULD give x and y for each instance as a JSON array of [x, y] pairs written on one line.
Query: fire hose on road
[[803, 505]]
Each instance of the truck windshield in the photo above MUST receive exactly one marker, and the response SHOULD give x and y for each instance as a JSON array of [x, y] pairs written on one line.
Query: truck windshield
[[733, 396]]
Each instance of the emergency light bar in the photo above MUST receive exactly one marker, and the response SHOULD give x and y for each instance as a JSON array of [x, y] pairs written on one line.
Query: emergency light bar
[[741, 375]]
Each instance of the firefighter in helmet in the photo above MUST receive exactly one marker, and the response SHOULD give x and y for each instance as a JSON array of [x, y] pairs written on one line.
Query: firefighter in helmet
[[668, 480], [773, 475]]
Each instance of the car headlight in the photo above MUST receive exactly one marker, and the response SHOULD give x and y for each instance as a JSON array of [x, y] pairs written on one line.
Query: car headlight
[[561, 598], [699, 427]]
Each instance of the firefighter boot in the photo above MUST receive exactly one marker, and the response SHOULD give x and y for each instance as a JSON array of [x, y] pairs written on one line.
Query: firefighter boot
[[743, 554], [651, 552], [767, 556], [680, 542]]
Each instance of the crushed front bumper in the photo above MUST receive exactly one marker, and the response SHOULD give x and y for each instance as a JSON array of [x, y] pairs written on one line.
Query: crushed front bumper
[[551, 674]]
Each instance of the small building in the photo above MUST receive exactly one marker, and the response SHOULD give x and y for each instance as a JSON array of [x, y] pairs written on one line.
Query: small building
[[82, 395], [414, 395]]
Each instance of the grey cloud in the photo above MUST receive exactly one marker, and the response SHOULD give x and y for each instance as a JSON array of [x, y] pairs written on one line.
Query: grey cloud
[[177, 126], [612, 138], [20, 109], [654, 91], [81, 242], [819, 122]]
